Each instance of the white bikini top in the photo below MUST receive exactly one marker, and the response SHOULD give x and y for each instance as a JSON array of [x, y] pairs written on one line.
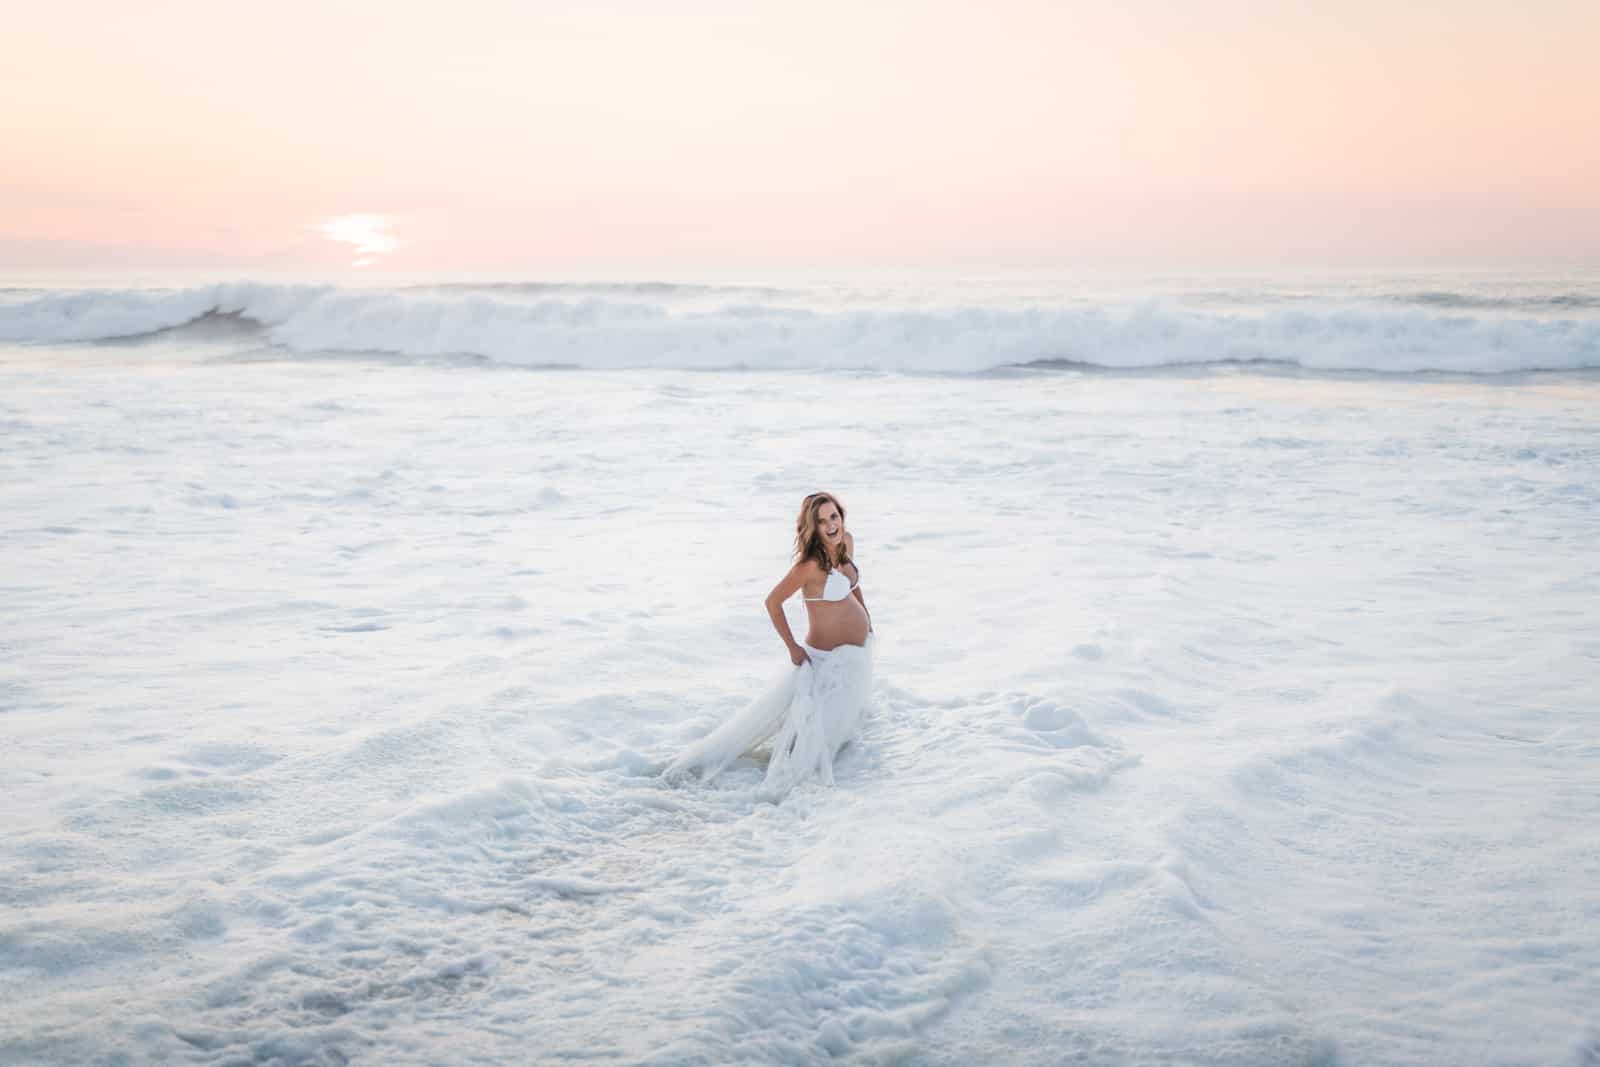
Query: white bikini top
[[837, 586]]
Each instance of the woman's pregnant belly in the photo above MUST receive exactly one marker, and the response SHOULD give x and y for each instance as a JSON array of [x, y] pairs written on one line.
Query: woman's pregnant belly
[[837, 622]]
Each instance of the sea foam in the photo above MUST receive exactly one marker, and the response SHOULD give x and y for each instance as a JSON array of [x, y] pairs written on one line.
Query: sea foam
[[1233, 718], [660, 326]]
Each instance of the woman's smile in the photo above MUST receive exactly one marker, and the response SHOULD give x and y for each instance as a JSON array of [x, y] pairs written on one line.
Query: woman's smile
[[830, 523]]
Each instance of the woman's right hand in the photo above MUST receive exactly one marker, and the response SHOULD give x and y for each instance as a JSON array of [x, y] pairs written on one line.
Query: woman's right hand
[[797, 656]]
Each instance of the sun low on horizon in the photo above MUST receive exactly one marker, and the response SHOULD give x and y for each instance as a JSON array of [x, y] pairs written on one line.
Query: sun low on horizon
[[549, 136], [368, 236]]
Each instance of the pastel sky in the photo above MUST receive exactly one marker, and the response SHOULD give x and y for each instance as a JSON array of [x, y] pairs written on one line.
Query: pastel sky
[[498, 136]]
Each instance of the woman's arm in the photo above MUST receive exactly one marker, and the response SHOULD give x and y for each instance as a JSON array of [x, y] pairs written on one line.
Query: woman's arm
[[790, 584]]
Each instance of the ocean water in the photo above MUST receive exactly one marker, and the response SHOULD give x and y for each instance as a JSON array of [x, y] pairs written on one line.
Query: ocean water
[[1236, 690], [1467, 323]]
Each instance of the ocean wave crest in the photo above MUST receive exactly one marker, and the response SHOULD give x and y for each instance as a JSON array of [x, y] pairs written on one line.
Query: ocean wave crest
[[625, 328], [1537, 303]]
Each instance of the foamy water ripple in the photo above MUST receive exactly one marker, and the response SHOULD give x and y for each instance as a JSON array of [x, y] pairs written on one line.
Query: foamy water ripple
[[1223, 718]]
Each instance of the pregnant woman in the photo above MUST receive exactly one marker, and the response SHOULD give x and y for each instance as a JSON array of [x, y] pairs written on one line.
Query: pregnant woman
[[819, 705]]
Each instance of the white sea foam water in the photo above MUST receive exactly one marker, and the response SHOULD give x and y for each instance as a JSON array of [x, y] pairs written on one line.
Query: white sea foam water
[[1236, 714], [1472, 324]]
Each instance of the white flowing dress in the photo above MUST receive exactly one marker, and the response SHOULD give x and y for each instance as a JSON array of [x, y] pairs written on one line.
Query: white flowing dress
[[807, 716]]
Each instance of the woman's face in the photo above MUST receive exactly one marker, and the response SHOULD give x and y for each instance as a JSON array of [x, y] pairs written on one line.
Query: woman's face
[[830, 524]]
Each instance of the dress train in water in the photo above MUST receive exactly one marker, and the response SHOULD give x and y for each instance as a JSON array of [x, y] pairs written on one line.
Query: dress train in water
[[808, 716]]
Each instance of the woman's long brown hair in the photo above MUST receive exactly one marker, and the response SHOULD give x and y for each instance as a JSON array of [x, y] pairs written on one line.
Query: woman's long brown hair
[[808, 540]]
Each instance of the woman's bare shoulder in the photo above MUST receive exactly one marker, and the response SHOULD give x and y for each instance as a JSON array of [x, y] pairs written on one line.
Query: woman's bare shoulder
[[806, 574], [799, 576]]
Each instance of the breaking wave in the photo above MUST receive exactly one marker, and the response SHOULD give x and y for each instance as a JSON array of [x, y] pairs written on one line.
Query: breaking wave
[[707, 327]]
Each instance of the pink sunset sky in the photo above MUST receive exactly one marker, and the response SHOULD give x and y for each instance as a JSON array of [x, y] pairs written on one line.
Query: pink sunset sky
[[487, 135]]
